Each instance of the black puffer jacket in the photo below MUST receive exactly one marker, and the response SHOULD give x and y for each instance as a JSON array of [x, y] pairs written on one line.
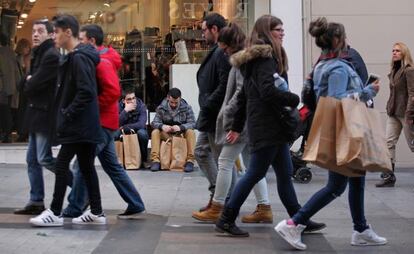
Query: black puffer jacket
[[40, 88], [212, 82], [259, 100], [77, 116]]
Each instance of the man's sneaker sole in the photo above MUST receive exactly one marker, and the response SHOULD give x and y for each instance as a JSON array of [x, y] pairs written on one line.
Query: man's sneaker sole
[[40, 224], [88, 223], [287, 239]]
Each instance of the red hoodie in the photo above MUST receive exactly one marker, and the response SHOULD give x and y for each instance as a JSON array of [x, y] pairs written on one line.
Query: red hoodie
[[108, 87]]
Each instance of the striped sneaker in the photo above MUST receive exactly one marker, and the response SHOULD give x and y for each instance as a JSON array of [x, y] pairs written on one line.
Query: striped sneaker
[[88, 218], [47, 219]]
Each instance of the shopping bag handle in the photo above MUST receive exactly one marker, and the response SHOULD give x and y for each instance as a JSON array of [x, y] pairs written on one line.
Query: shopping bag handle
[[354, 96], [123, 132]]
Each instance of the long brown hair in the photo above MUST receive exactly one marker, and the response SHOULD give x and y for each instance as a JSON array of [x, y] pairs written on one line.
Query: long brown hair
[[261, 34]]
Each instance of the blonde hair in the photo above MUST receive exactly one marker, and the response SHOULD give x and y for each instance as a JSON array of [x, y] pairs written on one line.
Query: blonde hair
[[406, 59]]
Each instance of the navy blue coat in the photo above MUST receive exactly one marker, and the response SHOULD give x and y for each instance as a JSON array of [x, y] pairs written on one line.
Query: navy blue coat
[[212, 82], [77, 115], [40, 88]]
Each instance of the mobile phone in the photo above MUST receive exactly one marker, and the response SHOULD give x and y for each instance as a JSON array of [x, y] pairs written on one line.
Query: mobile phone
[[372, 78]]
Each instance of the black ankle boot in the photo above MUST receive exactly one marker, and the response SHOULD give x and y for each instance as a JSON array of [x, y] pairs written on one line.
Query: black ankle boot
[[387, 181], [227, 226]]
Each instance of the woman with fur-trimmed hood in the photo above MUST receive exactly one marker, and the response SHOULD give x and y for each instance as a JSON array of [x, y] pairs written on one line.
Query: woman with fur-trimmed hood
[[260, 103]]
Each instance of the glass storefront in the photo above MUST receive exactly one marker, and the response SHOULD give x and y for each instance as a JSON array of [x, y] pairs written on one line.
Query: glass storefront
[[150, 35]]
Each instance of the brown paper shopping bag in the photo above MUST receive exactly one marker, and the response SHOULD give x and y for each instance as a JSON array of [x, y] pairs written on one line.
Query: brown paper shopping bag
[[179, 153], [362, 125], [349, 134], [119, 149], [165, 154], [320, 148], [132, 152]]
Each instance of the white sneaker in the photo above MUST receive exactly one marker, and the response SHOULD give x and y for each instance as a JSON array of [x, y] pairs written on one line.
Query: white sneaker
[[291, 234], [366, 238], [47, 219], [88, 218]]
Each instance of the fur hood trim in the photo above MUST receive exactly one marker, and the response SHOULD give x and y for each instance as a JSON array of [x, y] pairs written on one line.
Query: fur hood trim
[[251, 53]]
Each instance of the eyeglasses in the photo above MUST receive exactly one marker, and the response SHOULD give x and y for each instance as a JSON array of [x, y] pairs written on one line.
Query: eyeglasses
[[280, 30]]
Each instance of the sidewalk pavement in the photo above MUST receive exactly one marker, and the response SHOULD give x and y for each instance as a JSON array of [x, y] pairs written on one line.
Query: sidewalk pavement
[[170, 197]]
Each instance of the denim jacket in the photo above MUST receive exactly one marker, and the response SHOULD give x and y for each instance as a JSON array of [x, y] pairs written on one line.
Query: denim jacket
[[337, 78]]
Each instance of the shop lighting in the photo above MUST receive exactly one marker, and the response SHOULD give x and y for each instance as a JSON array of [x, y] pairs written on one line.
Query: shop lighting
[[24, 15], [18, 27], [21, 22], [32, 1], [107, 3]]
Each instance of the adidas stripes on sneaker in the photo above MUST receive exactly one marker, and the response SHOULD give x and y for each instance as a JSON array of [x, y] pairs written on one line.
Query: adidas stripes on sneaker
[[88, 218], [47, 219]]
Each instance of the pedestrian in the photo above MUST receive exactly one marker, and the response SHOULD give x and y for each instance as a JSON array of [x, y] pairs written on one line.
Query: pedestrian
[[232, 40], [77, 122], [9, 76], [400, 106], [260, 103], [109, 92], [23, 54], [334, 77], [39, 89], [212, 79]]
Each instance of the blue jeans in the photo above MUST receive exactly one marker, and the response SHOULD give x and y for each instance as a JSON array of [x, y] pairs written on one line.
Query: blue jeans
[[39, 153], [279, 157], [334, 188], [142, 140], [78, 197]]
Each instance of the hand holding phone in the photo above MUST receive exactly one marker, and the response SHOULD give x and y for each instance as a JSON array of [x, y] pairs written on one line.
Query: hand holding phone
[[372, 78]]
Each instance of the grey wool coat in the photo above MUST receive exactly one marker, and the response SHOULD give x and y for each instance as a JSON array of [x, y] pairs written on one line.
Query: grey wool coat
[[226, 114]]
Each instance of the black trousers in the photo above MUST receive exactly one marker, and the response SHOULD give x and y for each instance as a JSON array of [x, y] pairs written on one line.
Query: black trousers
[[85, 153]]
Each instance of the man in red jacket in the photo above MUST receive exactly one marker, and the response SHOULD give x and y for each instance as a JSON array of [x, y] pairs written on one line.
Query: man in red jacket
[[109, 92]]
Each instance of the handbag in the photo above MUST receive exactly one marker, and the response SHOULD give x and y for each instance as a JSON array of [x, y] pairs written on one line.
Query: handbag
[[119, 150], [178, 153], [165, 153], [132, 152], [361, 141], [289, 120], [320, 148]]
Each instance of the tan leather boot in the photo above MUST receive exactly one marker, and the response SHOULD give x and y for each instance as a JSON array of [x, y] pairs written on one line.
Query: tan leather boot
[[212, 214], [262, 214]]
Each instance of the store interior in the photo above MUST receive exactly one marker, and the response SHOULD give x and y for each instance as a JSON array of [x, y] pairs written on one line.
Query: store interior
[[147, 33]]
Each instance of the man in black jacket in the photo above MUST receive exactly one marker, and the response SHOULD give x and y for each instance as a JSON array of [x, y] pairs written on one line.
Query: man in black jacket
[[39, 89], [77, 122], [212, 81]]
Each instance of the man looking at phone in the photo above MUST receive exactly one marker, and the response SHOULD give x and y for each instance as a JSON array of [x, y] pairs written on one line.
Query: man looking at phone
[[173, 116]]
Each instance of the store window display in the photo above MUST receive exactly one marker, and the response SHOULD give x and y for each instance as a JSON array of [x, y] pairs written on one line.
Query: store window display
[[143, 32]]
